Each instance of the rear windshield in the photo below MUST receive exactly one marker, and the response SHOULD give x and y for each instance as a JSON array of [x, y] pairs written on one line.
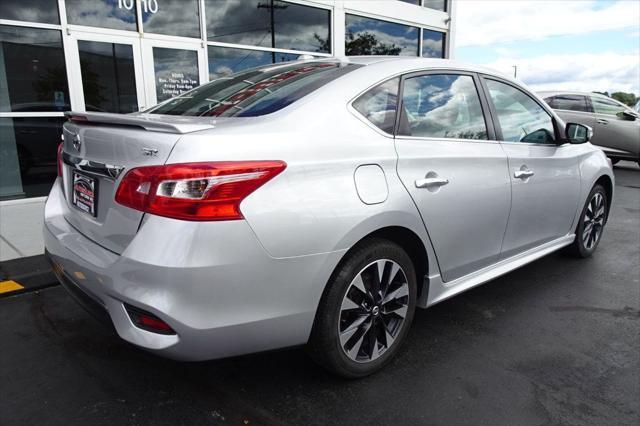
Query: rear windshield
[[255, 92]]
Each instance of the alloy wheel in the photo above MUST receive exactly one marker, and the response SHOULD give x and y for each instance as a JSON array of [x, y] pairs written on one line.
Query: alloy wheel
[[373, 310], [593, 221]]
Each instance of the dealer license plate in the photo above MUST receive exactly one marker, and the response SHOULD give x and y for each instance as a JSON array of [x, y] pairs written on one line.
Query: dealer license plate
[[85, 193]]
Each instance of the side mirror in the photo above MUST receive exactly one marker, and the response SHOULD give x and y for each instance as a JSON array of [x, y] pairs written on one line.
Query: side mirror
[[628, 115], [578, 133]]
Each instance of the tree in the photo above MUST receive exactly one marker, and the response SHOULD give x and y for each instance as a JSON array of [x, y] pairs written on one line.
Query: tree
[[367, 44], [324, 44], [626, 98]]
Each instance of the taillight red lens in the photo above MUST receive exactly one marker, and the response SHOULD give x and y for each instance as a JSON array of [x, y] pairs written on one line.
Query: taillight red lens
[[60, 159], [195, 191]]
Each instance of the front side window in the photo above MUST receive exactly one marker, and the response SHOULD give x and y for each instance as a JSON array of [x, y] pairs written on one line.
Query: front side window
[[569, 102], [521, 118], [379, 105], [367, 36], [255, 92], [442, 106], [606, 106]]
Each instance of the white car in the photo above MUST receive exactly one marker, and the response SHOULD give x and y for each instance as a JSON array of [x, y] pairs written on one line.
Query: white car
[[315, 202]]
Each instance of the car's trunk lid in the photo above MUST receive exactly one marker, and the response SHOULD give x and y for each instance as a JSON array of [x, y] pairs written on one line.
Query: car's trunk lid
[[98, 151]]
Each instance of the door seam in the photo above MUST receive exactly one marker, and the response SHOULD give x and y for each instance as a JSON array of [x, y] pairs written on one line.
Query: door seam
[[506, 228]]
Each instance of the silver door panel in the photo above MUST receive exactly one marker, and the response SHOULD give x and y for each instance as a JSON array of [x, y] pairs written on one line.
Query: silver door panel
[[616, 135], [466, 217], [545, 199]]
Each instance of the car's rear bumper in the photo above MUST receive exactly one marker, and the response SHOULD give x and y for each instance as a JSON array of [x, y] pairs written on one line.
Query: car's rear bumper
[[90, 303], [212, 282]]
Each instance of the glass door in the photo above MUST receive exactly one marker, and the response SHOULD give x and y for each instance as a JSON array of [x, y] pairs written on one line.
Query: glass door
[[171, 68], [108, 73], [123, 74]]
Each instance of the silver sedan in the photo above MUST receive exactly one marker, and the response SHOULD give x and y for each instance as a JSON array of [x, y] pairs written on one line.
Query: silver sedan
[[315, 202]]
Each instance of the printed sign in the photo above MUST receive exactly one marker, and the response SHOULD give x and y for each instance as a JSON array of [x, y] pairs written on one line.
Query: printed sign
[[84, 193], [176, 71], [173, 85], [148, 6]]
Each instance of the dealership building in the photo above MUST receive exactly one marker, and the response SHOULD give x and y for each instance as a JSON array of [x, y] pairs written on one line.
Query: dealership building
[[123, 56]]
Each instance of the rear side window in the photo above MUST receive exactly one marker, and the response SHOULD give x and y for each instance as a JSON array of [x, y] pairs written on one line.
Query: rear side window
[[255, 92], [379, 105], [521, 118], [569, 102], [442, 106]]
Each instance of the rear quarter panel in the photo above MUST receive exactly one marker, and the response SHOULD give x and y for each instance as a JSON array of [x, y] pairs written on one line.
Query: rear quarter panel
[[313, 206]]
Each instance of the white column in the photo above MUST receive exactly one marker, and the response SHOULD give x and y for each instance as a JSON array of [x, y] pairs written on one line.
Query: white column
[[451, 35], [338, 28]]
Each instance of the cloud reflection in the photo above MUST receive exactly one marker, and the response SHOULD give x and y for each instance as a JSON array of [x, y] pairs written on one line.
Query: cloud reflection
[[443, 106]]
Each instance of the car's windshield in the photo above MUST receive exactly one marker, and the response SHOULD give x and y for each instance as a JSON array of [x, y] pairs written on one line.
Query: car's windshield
[[255, 92]]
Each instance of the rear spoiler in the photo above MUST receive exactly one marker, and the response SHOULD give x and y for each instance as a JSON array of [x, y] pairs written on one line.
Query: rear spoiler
[[151, 122]]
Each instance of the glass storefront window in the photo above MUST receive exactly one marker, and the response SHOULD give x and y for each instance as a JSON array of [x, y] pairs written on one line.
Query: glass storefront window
[[225, 60], [28, 153], [116, 14], [176, 71], [108, 77], [436, 4], [269, 23], [416, 2], [432, 44], [367, 36], [44, 11], [33, 76], [171, 17]]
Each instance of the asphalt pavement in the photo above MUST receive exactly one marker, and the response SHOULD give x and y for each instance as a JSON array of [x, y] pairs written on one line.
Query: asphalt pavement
[[555, 342]]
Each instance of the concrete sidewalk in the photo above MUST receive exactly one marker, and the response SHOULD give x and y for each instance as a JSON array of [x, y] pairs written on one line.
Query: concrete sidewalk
[[21, 228]]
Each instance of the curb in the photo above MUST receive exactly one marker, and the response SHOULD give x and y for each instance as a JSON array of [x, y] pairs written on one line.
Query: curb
[[26, 274]]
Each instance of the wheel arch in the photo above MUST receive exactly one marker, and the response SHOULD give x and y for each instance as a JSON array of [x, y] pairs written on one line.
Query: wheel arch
[[405, 238], [607, 183]]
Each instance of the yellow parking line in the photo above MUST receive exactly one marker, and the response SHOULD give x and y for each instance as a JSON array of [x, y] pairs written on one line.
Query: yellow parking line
[[7, 286]]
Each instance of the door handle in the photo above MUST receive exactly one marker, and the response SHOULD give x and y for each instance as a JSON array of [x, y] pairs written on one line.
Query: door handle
[[431, 182], [602, 121], [523, 174]]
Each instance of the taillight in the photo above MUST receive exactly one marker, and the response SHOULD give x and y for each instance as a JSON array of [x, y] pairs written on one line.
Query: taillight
[[195, 191], [59, 159]]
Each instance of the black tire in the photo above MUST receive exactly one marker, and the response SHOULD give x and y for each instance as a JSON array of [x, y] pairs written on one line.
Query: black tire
[[325, 346], [583, 246]]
